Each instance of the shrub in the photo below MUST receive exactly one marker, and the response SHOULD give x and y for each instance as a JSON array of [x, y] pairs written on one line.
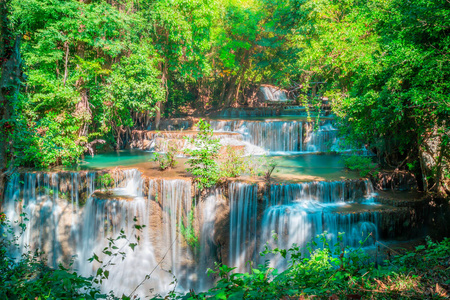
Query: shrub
[[263, 167], [167, 160], [106, 182], [188, 231], [234, 164], [202, 162], [363, 164]]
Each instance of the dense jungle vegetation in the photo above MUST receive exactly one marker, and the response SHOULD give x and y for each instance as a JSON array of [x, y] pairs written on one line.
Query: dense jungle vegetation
[[74, 72]]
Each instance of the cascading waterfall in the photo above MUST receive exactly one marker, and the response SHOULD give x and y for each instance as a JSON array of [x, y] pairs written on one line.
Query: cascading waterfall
[[321, 191], [323, 139], [207, 246], [176, 202], [106, 218], [282, 136], [46, 201], [243, 223], [67, 217], [272, 93], [296, 214], [269, 135]]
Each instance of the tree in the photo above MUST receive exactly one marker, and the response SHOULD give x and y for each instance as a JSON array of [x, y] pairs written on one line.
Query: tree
[[10, 83]]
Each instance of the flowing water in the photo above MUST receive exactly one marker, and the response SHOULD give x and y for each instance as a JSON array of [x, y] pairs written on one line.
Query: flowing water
[[180, 235]]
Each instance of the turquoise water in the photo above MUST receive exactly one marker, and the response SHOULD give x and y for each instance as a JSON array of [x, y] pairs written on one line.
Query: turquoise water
[[275, 118], [314, 166], [123, 158], [289, 167]]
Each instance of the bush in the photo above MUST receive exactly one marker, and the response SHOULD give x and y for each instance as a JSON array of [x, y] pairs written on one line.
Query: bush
[[202, 164], [106, 182], [234, 164], [363, 164], [333, 272], [167, 160], [264, 167]]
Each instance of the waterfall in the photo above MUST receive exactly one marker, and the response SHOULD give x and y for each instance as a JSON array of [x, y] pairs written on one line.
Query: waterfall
[[323, 139], [207, 246], [321, 191], [48, 202], [68, 217], [248, 112], [269, 135], [272, 93], [282, 136], [243, 224], [296, 214], [106, 218], [176, 203]]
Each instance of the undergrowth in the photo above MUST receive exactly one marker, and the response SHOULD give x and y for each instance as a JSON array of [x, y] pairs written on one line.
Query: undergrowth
[[342, 273]]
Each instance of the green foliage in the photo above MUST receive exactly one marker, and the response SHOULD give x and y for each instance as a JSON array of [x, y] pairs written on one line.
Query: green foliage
[[203, 163], [188, 231], [363, 164], [331, 271], [89, 66], [264, 167], [234, 163], [106, 181], [166, 160], [92, 65], [386, 77]]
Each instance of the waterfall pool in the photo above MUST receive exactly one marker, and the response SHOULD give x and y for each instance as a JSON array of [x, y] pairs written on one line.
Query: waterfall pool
[[291, 168]]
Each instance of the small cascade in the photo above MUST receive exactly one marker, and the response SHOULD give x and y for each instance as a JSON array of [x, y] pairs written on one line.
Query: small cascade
[[282, 136], [207, 246], [269, 135], [160, 141], [299, 224], [109, 218], [49, 203], [243, 224], [296, 214], [245, 112], [321, 140], [272, 93], [176, 203], [320, 191]]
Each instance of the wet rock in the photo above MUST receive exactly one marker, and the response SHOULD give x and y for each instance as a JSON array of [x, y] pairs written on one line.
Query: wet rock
[[396, 180]]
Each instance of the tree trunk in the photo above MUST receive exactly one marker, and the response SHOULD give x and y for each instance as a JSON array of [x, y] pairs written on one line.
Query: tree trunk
[[158, 115], [66, 62], [82, 110], [159, 106], [231, 92], [10, 63]]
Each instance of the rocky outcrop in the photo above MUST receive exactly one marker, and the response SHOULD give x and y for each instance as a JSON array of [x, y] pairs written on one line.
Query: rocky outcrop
[[434, 155], [395, 180]]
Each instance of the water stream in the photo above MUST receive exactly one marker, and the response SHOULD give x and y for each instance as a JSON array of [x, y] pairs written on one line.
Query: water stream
[[181, 235]]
